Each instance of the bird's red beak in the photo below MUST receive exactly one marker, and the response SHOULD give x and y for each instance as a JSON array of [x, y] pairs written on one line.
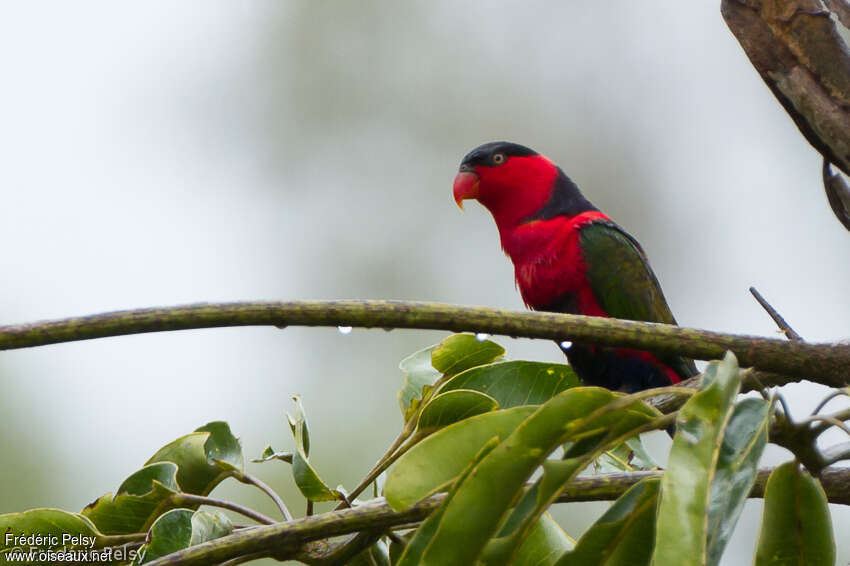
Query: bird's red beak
[[465, 185]]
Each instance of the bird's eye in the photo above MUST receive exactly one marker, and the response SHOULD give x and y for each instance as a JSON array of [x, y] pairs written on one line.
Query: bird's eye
[[499, 158]]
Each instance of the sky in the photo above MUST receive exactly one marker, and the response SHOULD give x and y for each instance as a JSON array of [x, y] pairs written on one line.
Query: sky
[[164, 153]]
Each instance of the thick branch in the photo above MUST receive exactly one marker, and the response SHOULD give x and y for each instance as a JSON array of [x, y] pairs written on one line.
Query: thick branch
[[823, 363], [376, 514], [796, 49]]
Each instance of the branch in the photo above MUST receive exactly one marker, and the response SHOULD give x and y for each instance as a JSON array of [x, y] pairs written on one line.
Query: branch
[[780, 321], [822, 363], [284, 539], [607, 487], [273, 539], [795, 47]]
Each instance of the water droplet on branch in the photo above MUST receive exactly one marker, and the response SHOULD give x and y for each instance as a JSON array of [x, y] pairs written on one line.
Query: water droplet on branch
[[344, 329], [566, 344], [481, 336]]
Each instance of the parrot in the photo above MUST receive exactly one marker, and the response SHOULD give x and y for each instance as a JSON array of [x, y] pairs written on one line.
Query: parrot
[[570, 257]]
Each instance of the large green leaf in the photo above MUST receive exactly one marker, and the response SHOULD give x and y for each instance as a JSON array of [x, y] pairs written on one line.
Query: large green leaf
[[418, 374], [459, 352], [546, 542], [796, 527], [194, 463], [480, 502], [600, 430], [441, 457], [139, 500], [47, 529], [307, 479], [182, 528], [453, 406], [516, 383], [737, 464], [710, 469], [204, 458], [620, 537], [422, 539], [453, 355]]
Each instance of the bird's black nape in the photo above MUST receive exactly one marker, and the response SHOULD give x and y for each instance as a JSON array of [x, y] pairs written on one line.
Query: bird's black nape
[[566, 200], [483, 154]]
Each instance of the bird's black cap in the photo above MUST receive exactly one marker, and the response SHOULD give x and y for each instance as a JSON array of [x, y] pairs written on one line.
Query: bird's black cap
[[483, 154]]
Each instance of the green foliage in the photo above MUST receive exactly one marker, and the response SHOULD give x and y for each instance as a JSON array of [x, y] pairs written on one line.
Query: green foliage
[[181, 528], [502, 441], [306, 478], [453, 406], [203, 458], [619, 537], [453, 355], [711, 469], [796, 528], [516, 383], [440, 458]]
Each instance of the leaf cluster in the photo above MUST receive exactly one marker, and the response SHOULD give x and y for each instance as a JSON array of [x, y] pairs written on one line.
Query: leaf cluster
[[487, 445]]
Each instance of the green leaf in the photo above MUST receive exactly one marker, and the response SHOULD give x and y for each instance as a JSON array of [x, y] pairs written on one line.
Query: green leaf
[[453, 406], [138, 502], [796, 526], [204, 458], [182, 528], [307, 479], [546, 542], [620, 536], [629, 456], [737, 464], [270, 454], [705, 452], [597, 431], [516, 383], [440, 458], [141, 481], [460, 352], [418, 373], [57, 530], [453, 355], [473, 515], [423, 537], [194, 463]]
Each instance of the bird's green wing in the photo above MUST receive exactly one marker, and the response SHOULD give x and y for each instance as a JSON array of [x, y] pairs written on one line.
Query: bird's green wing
[[619, 275], [623, 282]]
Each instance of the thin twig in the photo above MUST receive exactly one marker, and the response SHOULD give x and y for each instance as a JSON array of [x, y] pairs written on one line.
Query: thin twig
[[190, 499], [406, 439], [828, 398], [785, 410], [777, 318], [254, 480], [826, 419], [385, 461], [842, 415]]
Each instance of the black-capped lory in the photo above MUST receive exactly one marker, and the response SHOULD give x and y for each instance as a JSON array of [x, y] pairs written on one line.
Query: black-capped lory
[[570, 257]]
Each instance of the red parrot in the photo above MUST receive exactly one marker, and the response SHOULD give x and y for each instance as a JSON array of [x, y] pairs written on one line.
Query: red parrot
[[569, 257]]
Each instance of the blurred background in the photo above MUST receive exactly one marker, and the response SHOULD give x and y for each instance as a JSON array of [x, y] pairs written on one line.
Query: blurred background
[[217, 151]]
